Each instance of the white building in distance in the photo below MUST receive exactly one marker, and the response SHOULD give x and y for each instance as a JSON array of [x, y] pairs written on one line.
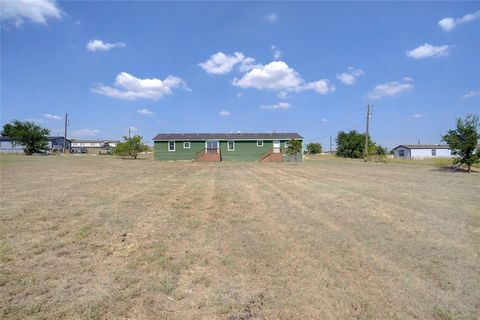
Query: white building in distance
[[421, 151]]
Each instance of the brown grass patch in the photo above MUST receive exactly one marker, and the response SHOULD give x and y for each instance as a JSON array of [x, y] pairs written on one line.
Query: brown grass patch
[[102, 238]]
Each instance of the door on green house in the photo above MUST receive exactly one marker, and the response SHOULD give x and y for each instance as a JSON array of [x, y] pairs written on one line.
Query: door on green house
[[276, 146], [212, 146]]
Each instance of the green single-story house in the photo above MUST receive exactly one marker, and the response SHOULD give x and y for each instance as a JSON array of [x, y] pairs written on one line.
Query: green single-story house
[[224, 146]]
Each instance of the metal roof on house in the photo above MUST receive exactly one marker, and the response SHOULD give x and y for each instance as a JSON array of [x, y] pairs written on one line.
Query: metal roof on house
[[423, 146], [227, 136], [94, 141]]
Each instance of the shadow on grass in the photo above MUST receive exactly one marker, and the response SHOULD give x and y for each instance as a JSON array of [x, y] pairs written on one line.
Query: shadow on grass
[[453, 169]]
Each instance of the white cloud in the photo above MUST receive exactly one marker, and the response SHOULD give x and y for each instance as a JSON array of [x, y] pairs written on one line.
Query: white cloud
[[278, 76], [129, 87], [417, 116], [221, 63], [37, 11], [390, 89], [324, 120], [224, 113], [450, 23], [277, 54], [472, 94], [280, 105], [282, 95], [35, 120], [427, 51], [99, 45], [321, 86], [52, 116], [272, 18], [350, 77], [85, 133], [145, 112], [248, 64]]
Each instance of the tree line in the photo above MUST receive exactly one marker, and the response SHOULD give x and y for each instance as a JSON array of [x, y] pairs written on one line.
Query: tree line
[[34, 139], [463, 141]]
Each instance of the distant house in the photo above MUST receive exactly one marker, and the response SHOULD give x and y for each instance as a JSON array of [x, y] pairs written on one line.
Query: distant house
[[55, 143], [93, 146], [421, 151], [224, 146]]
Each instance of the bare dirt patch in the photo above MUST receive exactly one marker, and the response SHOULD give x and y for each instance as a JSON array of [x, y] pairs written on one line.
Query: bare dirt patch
[[105, 238]]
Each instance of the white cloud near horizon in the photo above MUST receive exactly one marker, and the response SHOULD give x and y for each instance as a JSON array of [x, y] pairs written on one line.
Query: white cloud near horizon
[[350, 77], [272, 18], [276, 106], [390, 89], [471, 94], [35, 120], [99, 45], [128, 87], [145, 112], [278, 76], [37, 11], [427, 51], [224, 113], [52, 116], [417, 116], [450, 23], [85, 132]]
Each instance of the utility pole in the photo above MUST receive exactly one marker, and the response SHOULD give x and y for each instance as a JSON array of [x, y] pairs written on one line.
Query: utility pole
[[331, 145], [65, 133], [128, 133], [366, 130]]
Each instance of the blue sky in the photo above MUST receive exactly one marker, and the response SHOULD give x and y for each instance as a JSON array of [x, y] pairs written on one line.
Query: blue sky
[[306, 67]]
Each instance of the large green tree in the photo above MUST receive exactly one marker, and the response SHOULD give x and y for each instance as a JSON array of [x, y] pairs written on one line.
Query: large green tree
[[131, 147], [294, 148], [352, 145], [463, 141], [27, 134], [314, 148]]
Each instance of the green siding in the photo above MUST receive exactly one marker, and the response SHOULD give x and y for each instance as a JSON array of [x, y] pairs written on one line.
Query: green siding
[[161, 150], [245, 150]]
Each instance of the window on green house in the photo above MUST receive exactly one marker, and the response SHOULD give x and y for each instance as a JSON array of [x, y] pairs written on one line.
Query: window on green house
[[231, 145], [171, 145], [259, 143], [186, 145]]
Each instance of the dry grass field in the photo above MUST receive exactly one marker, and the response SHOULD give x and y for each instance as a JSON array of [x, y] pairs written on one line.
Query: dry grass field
[[103, 238]]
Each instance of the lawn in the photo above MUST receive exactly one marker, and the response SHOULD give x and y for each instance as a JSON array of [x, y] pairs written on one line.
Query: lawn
[[85, 237]]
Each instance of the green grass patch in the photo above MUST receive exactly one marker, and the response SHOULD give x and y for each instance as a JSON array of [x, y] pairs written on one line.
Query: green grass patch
[[441, 314], [4, 252], [83, 233]]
